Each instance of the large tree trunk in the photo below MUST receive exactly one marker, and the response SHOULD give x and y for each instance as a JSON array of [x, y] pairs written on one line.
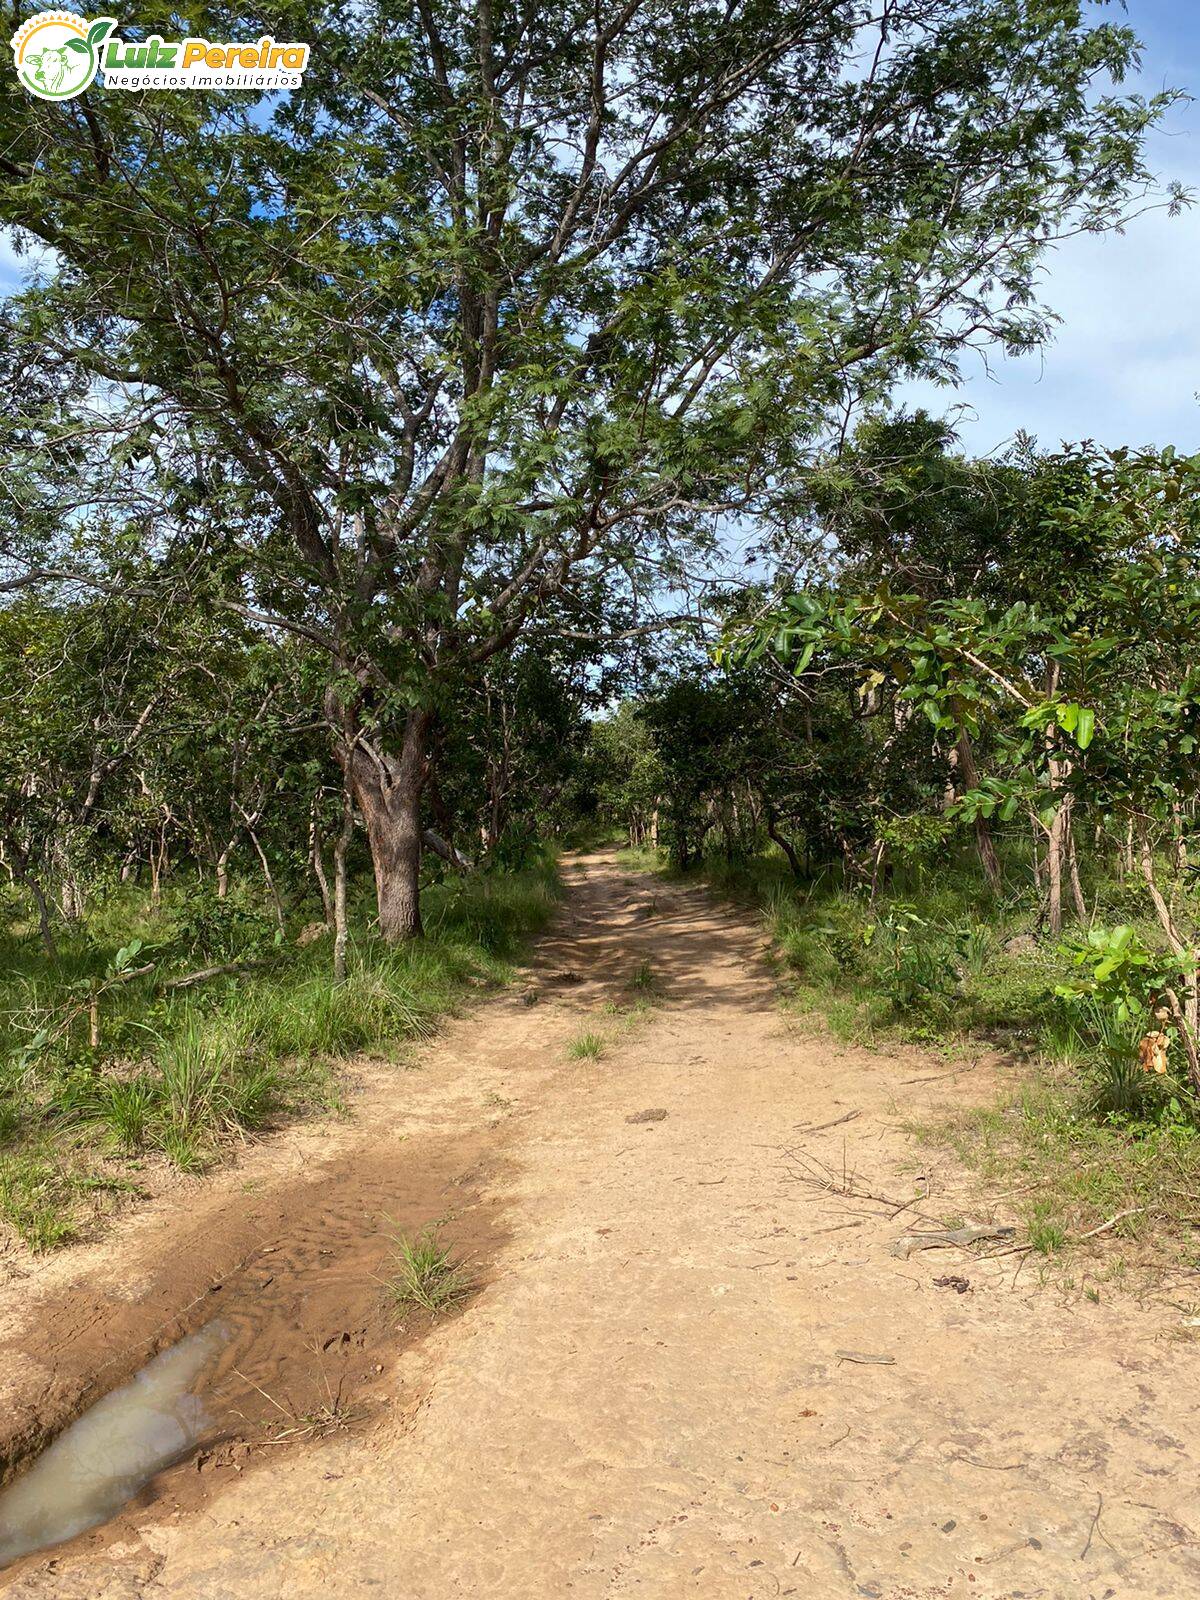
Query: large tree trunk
[[388, 792]]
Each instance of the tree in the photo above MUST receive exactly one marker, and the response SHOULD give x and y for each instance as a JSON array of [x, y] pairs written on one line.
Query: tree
[[626, 774], [1077, 657], [506, 298]]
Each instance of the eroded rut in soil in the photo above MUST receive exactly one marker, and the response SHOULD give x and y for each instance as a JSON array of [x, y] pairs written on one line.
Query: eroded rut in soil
[[295, 1282], [288, 1252]]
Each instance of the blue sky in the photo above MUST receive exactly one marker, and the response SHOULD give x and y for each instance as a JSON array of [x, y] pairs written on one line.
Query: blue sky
[[1124, 366]]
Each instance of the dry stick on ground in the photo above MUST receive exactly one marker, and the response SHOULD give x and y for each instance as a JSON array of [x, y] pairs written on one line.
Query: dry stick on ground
[[845, 1187], [820, 1127], [938, 1076], [189, 978], [1095, 1527]]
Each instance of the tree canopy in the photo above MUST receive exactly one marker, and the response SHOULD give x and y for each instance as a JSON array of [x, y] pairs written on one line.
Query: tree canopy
[[493, 320]]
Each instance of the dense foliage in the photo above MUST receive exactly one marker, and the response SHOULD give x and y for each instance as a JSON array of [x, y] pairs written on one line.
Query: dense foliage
[[493, 319]]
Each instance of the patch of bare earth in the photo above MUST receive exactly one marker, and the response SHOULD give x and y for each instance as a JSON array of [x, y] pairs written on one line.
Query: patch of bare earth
[[695, 1366]]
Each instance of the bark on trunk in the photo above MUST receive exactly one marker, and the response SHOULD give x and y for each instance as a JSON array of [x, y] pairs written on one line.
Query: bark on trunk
[[1081, 910], [223, 869], [387, 790], [316, 857], [784, 843], [447, 850], [1055, 857], [29, 881], [268, 877]]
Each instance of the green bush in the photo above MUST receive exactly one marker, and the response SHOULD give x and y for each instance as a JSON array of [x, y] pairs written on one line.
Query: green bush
[[222, 930]]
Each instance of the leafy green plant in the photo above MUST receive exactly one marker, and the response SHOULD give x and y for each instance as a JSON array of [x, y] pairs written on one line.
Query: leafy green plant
[[1112, 1003], [1119, 972], [918, 970], [223, 930]]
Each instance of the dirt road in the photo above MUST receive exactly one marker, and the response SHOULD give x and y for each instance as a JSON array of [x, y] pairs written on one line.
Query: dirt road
[[691, 1373]]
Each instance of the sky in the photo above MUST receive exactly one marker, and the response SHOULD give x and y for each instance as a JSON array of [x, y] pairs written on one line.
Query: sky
[[1124, 365]]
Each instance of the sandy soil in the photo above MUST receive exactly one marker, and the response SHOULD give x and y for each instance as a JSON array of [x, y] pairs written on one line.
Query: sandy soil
[[656, 1392]]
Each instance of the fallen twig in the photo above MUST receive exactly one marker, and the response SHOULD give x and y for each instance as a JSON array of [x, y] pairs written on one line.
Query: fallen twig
[[820, 1127], [1095, 1524], [832, 1184], [938, 1076], [189, 978], [946, 1237]]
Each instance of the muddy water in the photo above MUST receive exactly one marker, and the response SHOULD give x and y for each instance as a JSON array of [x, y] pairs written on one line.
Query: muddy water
[[297, 1328], [112, 1450]]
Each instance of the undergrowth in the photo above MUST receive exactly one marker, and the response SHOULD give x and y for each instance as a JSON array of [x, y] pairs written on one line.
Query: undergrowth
[[101, 1073], [1067, 1173]]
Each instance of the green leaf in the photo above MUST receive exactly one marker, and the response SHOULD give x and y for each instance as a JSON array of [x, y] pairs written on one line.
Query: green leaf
[[805, 658], [1085, 728]]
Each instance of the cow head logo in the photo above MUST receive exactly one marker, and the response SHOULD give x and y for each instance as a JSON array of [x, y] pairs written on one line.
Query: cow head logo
[[57, 53]]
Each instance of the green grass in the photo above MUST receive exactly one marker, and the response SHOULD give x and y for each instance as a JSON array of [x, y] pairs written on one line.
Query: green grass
[[643, 980], [37, 1198], [587, 1047], [425, 1273], [179, 1075], [1064, 1172]]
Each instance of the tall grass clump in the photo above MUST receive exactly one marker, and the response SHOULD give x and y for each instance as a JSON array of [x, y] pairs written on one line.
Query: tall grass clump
[[425, 1273]]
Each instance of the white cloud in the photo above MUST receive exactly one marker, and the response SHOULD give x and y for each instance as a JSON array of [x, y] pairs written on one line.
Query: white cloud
[[1124, 364]]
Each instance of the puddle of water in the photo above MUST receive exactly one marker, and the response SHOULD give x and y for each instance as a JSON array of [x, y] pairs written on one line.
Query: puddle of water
[[111, 1451]]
